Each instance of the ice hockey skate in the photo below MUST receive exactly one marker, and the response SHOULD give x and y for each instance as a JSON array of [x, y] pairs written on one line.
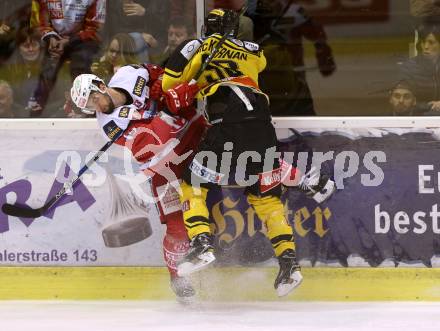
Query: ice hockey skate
[[183, 290], [289, 276], [319, 187], [201, 254]]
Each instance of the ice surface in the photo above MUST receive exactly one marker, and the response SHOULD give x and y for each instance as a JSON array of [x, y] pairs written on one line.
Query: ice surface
[[281, 315]]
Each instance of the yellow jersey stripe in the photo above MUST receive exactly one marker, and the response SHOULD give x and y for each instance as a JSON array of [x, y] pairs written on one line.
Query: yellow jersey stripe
[[172, 73]]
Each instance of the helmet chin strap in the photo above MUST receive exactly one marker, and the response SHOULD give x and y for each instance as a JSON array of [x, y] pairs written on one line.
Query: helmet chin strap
[[112, 102]]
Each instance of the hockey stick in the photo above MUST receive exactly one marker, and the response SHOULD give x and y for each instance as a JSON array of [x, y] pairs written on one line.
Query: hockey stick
[[209, 58], [26, 212]]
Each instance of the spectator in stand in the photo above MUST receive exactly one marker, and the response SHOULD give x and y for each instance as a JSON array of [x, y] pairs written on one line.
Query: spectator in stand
[[70, 30], [13, 15], [280, 27], [402, 100], [22, 69], [120, 51], [143, 20], [423, 12], [423, 71], [7, 107], [179, 30]]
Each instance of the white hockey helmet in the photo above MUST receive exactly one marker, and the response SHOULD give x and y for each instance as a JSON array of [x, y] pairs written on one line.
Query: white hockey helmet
[[82, 86]]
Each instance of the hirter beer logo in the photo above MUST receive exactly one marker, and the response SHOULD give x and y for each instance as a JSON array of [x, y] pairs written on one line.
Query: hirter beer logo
[[139, 86]]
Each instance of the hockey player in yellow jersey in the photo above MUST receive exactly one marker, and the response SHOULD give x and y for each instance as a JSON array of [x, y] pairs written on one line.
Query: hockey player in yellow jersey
[[236, 63], [241, 130]]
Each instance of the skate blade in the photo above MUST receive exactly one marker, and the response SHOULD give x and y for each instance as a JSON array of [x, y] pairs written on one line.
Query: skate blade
[[284, 289], [187, 268], [327, 192]]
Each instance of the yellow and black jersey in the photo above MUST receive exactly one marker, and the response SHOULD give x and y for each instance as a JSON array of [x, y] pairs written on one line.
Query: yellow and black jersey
[[236, 63]]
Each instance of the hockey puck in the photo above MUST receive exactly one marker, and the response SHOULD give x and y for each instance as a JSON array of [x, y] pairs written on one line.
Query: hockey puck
[[127, 232]]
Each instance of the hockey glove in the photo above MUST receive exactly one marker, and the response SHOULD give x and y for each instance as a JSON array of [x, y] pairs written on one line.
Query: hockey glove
[[325, 59], [317, 186], [156, 92], [181, 96], [154, 71], [155, 74]]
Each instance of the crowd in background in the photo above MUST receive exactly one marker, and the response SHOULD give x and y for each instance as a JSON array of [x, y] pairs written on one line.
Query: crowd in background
[[44, 44], [416, 89]]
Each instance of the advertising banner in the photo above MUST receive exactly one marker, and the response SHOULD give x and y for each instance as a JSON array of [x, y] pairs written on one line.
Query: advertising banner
[[385, 211], [94, 225]]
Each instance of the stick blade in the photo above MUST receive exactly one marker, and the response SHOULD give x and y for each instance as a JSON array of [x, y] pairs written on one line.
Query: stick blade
[[20, 211]]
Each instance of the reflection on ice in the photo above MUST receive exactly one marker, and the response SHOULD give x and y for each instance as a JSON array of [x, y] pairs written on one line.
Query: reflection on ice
[[170, 316]]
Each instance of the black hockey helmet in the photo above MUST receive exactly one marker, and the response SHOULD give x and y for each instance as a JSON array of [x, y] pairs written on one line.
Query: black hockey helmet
[[221, 21]]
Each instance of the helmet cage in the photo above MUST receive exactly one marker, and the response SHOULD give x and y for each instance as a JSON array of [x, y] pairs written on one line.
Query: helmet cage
[[222, 21], [83, 86]]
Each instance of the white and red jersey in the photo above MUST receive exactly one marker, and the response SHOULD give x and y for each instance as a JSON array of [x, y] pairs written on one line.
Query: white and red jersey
[[162, 144], [67, 18], [134, 80]]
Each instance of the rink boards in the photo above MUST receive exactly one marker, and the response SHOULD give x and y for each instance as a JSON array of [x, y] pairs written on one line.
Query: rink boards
[[348, 250], [218, 284]]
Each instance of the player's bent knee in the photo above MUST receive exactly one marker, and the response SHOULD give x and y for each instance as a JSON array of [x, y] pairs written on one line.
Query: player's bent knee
[[267, 207]]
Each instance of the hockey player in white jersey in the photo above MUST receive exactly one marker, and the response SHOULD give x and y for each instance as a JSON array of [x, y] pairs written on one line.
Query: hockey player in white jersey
[[128, 109]]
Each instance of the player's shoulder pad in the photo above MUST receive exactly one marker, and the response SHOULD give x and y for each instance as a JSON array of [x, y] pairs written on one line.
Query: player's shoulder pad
[[129, 75], [131, 69], [189, 48], [299, 15], [247, 45], [182, 55], [135, 66]]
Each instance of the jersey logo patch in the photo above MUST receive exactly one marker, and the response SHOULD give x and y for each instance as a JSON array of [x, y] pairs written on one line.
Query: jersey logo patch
[[206, 174], [124, 112], [237, 42], [112, 130], [251, 46], [139, 86], [190, 48], [269, 180], [169, 199]]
